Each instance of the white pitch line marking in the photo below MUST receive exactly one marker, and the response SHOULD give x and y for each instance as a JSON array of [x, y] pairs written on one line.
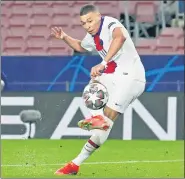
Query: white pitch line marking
[[95, 163]]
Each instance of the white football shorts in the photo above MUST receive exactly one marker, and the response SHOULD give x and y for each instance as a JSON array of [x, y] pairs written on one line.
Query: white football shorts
[[122, 88]]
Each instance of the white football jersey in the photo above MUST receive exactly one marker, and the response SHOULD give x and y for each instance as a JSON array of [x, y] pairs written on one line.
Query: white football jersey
[[126, 58]]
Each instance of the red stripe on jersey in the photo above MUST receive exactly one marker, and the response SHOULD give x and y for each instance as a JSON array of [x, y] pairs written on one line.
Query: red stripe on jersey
[[111, 66], [97, 42]]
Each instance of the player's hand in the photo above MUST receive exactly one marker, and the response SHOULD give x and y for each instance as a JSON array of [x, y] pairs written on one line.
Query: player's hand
[[97, 70], [58, 33]]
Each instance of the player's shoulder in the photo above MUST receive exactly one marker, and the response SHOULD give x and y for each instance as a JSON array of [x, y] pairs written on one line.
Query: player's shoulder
[[109, 18], [109, 21]]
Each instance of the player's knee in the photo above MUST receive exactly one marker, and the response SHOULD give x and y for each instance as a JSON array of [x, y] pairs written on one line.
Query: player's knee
[[110, 113]]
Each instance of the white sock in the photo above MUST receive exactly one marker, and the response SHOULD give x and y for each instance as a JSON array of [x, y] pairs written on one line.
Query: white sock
[[95, 141]]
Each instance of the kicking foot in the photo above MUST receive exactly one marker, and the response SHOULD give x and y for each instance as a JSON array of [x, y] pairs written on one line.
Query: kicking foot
[[95, 122], [69, 169]]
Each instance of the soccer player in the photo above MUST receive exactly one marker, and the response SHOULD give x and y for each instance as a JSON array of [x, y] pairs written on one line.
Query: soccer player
[[121, 71]]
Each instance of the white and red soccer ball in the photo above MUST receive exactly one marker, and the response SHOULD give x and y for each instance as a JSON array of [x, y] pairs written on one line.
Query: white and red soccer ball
[[95, 96]]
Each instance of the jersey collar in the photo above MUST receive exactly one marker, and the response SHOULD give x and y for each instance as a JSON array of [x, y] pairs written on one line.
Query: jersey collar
[[99, 31]]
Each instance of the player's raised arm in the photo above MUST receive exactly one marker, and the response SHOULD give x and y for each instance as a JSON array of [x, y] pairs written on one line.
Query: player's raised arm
[[73, 43], [116, 44]]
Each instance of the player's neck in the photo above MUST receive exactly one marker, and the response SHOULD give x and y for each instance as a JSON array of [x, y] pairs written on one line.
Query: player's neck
[[100, 23]]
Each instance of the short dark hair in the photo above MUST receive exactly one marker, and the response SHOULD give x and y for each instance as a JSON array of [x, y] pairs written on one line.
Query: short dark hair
[[88, 8]]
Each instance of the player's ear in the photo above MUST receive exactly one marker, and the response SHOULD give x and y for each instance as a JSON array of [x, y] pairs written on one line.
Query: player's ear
[[98, 15]]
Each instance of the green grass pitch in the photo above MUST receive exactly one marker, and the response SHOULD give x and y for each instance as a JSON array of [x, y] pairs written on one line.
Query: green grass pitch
[[115, 159]]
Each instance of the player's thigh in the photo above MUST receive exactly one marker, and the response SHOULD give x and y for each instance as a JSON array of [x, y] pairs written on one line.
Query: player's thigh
[[124, 93], [107, 81]]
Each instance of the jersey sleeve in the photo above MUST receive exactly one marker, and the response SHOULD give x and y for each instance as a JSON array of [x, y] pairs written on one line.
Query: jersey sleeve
[[113, 24], [87, 44]]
